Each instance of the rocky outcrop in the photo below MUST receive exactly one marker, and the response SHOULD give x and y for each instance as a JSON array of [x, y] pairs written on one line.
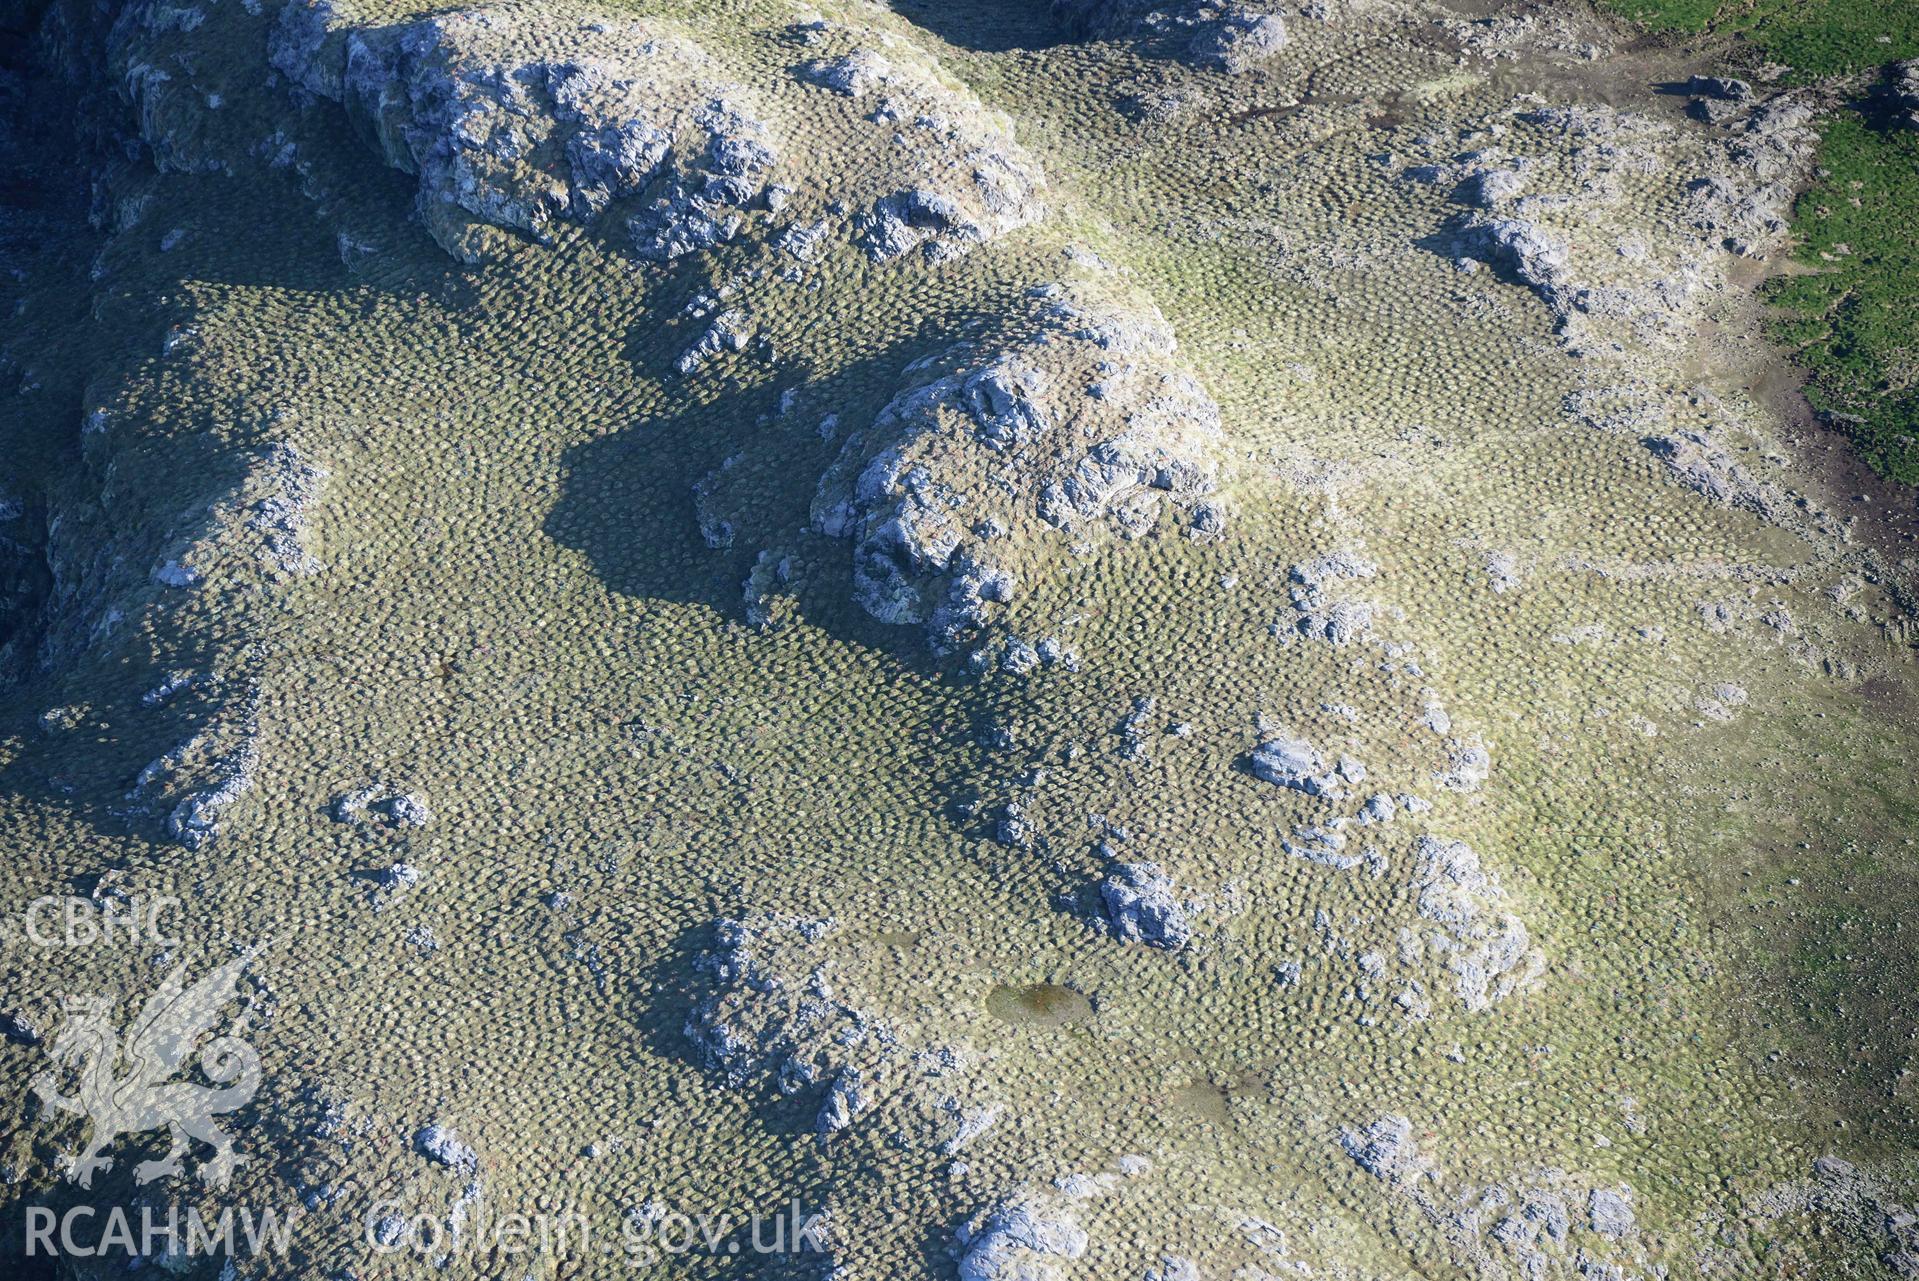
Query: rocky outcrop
[[1530, 254], [1018, 1240], [372, 804], [964, 179], [770, 1019], [1902, 92], [1746, 206], [1324, 613], [1486, 947], [962, 480], [195, 785], [1386, 1149], [1295, 764], [1225, 35], [772, 1023], [1704, 466], [1142, 906], [510, 128]]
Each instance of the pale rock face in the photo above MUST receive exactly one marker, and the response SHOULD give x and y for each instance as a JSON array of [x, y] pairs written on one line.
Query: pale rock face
[[1704, 466], [509, 137], [1490, 188]]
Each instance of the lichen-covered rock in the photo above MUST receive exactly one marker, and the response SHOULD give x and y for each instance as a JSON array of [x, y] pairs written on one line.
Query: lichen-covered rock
[[198, 782], [195, 820], [1724, 88], [371, 803], [1490, 188], [963, 478], [509, 127]]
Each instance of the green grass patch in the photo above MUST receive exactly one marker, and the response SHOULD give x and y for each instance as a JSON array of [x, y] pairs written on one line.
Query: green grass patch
[[1813, 37], [1856, 228], [1851, 319]]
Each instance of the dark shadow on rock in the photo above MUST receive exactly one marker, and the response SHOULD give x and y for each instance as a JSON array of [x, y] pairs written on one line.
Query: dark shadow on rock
[[988, 26], [680, 507]]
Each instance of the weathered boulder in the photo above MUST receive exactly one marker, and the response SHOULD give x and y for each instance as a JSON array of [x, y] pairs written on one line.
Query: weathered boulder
[[1747, 204], [1294, 763], [771, 1021], [441, 1145], [1322, 614], [1722, 87]]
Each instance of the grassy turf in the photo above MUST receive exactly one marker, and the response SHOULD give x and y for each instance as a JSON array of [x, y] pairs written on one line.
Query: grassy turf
[[1852, 320], [1813, 37], [1856, 228]]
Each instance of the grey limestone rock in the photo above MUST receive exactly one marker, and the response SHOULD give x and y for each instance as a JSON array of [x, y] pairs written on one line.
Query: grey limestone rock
[[1018, 1239], [1386, 1149], [1294, 763], [1142, 906]]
